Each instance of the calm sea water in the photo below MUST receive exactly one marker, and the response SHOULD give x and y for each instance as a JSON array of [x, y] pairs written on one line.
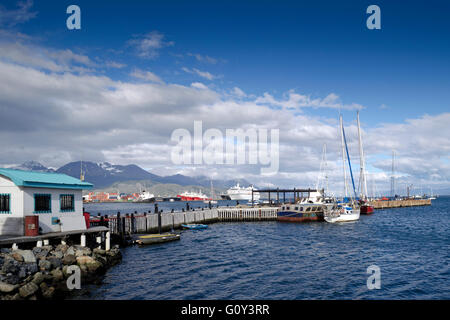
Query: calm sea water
[[285, 261]]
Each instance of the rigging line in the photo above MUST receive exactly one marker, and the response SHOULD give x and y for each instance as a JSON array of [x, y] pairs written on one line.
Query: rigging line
[[349, 164]]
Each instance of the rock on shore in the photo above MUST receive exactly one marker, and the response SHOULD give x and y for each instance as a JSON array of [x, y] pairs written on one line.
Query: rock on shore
[[41, 273]]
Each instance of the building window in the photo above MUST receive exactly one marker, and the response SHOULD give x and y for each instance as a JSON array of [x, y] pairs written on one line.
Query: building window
[[42, 203], [5, 203], [67, 202]]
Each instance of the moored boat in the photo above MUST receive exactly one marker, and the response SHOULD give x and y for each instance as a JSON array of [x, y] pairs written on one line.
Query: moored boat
[[300, 213], [348, 209], [194, 226], [344, 212], [307, 209], [365, 206], [157, 238]]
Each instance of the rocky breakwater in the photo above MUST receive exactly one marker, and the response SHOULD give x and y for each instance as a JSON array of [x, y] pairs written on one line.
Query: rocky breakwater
[[42, 273]]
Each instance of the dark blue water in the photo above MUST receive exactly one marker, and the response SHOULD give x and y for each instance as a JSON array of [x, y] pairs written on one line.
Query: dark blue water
[[271, 260]]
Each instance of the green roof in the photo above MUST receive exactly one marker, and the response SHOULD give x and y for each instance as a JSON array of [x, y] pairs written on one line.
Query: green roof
[[24, 178]]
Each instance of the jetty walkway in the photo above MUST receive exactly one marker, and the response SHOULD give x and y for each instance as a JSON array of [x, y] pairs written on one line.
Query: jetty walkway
[[150, 222]]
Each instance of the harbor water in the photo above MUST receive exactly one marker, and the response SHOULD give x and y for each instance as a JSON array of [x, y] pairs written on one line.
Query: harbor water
[[287, 261]]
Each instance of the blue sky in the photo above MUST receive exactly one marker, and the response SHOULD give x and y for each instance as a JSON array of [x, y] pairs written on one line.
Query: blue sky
[[316, 47], [303, 59]]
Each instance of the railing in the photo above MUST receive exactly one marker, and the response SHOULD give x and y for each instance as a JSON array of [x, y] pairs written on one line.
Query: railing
[[149, 223], [247, 214]]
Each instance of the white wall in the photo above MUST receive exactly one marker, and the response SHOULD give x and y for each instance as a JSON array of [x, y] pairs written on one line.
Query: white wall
[[69, 220], [22, 204], [12, 223]]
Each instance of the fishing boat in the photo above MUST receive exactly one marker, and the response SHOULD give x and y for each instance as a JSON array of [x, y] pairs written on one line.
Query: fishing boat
[[194, 226], [157, 238], [310, 208], [348, 209], [365, 207]]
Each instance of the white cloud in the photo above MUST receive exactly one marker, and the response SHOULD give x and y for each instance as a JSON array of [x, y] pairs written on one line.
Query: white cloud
[[22, 14], [146, 75], [238, 92], [115, 65], [148, 45], [202, 58], [203, 74], [295, 100], [198, 85], [52, 113]]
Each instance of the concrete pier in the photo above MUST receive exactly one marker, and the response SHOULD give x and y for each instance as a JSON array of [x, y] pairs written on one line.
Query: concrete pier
[[385, 204]]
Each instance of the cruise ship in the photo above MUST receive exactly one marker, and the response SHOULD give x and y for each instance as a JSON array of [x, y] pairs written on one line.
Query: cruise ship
[[240, 193]]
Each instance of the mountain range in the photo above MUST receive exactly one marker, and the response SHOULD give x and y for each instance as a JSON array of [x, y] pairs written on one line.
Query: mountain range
[[104, 175]]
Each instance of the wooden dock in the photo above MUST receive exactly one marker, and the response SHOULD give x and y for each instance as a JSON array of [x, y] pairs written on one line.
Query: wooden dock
[[152, 223]]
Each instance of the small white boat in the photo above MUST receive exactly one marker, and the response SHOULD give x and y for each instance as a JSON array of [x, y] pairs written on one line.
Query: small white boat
[[342, 213]]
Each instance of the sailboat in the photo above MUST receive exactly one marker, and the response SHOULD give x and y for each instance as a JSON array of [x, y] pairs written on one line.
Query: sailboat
[[348, 209], [213, 196], [432, 197], [365, 207]]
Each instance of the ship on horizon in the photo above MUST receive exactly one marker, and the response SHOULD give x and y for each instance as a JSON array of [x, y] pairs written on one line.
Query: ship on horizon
[[240, 193], [193, 196]]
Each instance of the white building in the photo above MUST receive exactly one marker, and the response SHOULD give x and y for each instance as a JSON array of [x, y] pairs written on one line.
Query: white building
[[55, 198]]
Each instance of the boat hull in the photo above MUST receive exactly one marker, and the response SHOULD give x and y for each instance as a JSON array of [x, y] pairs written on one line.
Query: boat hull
[[345, 217], [293, 216], [366, 209], [157, 238], [184, 198], [194, 226]]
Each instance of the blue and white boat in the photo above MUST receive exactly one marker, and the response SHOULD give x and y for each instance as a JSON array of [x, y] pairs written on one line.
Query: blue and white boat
[[194, 226]]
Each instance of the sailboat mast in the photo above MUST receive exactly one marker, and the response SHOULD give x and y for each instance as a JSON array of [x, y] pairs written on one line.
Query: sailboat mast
[[343, 156], [322, 172], [325, 170], [362, 179]]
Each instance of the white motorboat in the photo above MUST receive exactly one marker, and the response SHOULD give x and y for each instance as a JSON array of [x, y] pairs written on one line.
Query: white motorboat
[[342, 213]]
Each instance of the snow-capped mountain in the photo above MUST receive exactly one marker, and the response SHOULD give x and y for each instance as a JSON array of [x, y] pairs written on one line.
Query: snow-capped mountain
[[33, 166], [104, 174]]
